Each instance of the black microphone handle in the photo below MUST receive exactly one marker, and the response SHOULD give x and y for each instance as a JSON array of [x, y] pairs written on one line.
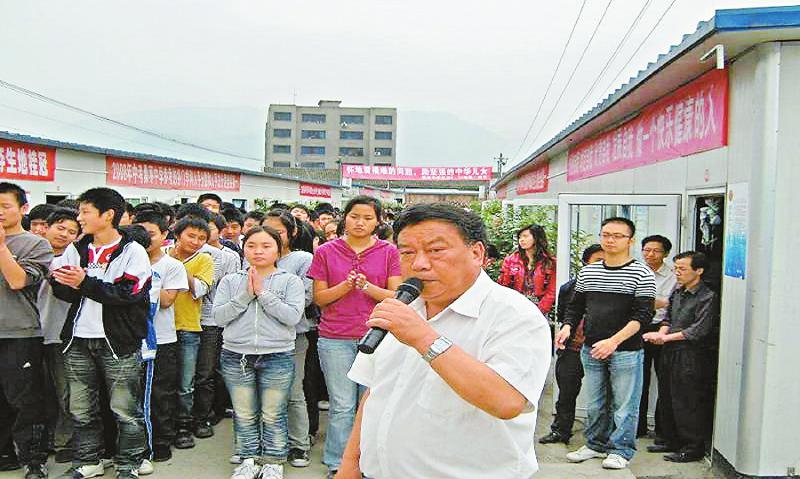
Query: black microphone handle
[[373, 338]]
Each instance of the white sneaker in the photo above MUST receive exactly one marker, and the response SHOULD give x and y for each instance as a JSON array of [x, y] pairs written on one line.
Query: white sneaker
[[146, 468], [583, 454], [615, 461], [88, 470], [271, 471], [235, 459], [248, 469]]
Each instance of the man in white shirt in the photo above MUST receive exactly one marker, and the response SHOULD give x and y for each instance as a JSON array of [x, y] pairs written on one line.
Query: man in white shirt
[[452, 391]]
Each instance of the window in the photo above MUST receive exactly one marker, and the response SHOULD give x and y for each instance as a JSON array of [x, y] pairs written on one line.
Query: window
[[383, 119], [313, 118], [313, 134], [312, 150], [351, 151], [313, 164], [282, 116], [281, 132], [351, 135], [383, 152], [383, 135], [282, 164], [352, 119], [281, 148]]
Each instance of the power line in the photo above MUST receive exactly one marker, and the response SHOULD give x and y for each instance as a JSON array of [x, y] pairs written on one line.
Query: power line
[[580, 60], [612, 57], [52, 101], [552, 78]]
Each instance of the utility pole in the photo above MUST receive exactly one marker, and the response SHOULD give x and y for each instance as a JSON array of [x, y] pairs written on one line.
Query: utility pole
[[501, 162]]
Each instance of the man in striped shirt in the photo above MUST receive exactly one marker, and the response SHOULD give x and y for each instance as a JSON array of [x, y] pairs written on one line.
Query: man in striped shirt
[[616, 298]]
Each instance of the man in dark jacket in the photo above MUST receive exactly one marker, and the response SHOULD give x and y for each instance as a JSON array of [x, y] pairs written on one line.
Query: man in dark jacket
[[106, 278]]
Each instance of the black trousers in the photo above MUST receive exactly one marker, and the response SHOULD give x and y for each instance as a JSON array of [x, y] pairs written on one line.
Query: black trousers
[[164, 396], [685, 390], [569, 375], [313, 382], [22, 397], [652, 355]]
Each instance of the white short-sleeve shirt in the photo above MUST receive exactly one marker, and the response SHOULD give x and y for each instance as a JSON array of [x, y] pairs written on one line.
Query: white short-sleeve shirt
[[415, 426]]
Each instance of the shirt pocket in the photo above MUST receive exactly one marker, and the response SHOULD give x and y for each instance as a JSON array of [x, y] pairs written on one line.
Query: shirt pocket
[[439, 399]]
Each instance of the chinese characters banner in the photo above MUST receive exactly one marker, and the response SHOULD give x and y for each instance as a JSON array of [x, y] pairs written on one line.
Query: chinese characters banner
[[149, 174], [315, 191], [535, 180], [692, 119], [23, 161], [445, 173]]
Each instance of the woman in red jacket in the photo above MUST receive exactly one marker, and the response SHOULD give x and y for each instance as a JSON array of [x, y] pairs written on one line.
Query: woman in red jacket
[[531, 269]]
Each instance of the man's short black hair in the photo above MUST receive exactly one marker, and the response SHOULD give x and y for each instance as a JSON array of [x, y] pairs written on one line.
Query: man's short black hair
[[232, 215], [154, 217], [105, 199], [16, 190], [620, 219], [469, 225], [666, 244], [255, 215], [41, 212], [699, 260], [137, 233], [589, 251], [191, 222], [69, 203], [194, 210], [210, 196], [63, 214]]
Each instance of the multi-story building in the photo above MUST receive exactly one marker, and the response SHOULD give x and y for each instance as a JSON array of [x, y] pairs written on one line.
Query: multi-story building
[[327, 135]]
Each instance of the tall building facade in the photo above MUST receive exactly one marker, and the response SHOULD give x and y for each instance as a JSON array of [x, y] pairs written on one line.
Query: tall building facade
[[327, 135]]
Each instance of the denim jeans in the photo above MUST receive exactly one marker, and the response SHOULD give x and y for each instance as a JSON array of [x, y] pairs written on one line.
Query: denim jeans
[[614, 388], [259, 386], [207, 365], [88, 363], [336, 357], [189, 347]]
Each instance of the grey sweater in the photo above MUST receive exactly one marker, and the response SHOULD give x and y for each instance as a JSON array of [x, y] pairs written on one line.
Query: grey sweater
[[19, 317], [260, 324]]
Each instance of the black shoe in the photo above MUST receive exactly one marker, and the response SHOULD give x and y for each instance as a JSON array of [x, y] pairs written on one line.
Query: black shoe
[[659, 448], [64, 456], [184, 439], [553, 438], [203, 430], [162, 452], [35, 471], [299, 458], [684, 456], [9, 462]]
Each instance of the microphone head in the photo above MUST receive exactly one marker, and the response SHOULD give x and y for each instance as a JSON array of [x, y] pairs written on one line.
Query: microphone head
[[412, 286]]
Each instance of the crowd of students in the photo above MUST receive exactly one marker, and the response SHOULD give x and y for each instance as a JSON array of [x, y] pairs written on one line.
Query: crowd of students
[[128, 331]]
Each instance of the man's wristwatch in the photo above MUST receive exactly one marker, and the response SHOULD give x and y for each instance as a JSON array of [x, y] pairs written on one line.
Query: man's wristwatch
[[438, 347]]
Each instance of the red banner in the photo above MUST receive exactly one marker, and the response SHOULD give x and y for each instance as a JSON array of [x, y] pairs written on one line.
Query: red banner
[[692, 119], [444, 173], [23, 161], [150, 174], [315, 191], [535, 180]]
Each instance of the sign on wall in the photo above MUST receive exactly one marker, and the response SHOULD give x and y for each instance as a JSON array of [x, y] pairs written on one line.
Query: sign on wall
[[535, 180], [315, 191], [150, 174], [418, 173], [23, 161], [692, 119]]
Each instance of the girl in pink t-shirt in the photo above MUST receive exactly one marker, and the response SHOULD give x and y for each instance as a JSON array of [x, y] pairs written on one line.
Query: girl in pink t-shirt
[[351, 275]]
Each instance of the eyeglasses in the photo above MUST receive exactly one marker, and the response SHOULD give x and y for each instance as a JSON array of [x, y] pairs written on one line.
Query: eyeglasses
[[649, 250], [615, 236]]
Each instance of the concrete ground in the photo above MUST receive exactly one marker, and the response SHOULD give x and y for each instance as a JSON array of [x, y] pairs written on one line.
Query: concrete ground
[[209, 460]]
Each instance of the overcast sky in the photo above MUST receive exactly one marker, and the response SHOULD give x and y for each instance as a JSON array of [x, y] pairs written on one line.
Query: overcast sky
[[467, 76]]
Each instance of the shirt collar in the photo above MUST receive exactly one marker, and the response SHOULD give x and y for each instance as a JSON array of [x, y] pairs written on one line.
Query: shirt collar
[[469, 303]]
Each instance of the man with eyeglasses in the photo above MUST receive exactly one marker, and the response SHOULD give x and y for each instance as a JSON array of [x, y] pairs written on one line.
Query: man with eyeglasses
[[616, 299], [654, 249]]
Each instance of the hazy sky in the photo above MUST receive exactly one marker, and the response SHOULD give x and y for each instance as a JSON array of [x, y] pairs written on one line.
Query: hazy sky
[[461, 65]]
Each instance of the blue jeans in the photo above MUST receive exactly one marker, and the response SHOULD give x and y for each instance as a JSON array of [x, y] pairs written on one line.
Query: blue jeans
[[614, 388], [189, 347], [90, 365], [259, 386], [336, 356]]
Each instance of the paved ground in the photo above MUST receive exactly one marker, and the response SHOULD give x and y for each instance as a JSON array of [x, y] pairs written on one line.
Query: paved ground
[[209, 460]]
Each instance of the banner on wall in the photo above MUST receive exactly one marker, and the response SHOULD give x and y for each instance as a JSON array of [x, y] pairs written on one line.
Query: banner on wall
[[417, 173], [315, 191], [535, 180], [692, 119], [150, 174], [23, 161]]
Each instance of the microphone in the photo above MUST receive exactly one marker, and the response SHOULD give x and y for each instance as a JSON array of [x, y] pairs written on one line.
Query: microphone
[[408, 291]]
